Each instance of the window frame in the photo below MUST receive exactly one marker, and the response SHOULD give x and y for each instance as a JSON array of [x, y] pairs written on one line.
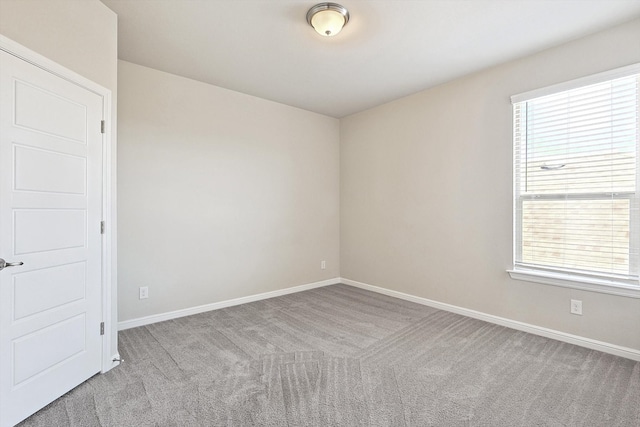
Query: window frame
[[587, 280]]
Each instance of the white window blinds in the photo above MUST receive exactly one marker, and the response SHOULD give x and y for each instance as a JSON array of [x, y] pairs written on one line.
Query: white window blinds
[[576, 179]]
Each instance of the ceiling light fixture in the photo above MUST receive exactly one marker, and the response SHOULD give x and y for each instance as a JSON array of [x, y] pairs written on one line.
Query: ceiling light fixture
[[328, 18]]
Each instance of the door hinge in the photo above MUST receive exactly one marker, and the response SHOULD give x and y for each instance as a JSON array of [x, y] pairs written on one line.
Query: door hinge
[[102, 126], [101, 328], [101, 227]]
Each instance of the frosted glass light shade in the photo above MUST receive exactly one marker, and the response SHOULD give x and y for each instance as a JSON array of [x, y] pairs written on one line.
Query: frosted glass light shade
[[327, 22], [327, 18]]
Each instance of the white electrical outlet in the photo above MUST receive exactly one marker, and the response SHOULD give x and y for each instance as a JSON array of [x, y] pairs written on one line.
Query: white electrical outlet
[[323, 265], [144, 292], [576, 306]]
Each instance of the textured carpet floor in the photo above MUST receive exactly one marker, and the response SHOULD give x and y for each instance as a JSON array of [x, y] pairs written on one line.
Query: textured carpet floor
[[341, 356]]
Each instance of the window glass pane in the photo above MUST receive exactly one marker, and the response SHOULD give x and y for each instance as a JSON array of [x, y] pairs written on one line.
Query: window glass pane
[[577, 234], [583, 140]]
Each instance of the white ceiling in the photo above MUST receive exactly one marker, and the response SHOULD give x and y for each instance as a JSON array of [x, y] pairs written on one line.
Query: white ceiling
[[388, 49]]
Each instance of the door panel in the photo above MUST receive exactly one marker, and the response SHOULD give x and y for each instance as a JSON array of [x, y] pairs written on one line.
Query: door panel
[[34, 166], [28, 358], [47, 112], [33, 292], [50, 213], [40, 230]]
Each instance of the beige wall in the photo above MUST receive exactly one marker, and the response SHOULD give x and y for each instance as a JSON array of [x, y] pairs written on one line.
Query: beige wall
[[426, 195], [81, 35], [221, 195], [78, 34]]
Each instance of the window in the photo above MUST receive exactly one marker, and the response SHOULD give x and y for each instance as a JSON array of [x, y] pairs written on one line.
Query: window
[[576, 204]]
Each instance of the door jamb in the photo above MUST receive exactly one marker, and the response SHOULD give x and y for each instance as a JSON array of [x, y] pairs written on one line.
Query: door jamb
[[109, 354]]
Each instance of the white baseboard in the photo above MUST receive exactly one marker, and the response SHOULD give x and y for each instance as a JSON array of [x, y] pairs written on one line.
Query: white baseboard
[[141, 321], [604, 347]]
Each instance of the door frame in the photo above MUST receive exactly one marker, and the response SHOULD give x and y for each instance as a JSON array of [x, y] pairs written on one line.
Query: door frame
[[109, 352]]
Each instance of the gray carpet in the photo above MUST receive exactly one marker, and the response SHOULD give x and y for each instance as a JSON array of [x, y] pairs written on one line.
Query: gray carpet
[[342, 356]]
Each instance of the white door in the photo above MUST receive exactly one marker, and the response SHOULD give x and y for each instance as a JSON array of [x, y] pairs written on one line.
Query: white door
[[50, 213]]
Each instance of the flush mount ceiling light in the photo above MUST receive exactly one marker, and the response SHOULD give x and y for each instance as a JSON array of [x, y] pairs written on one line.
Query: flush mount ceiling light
[[327, 18]]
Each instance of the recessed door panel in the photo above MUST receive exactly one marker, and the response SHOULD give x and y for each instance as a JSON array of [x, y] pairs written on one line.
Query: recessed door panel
[[37, 291], [49, 112], [48, 171], [33, 354], [39, 230]]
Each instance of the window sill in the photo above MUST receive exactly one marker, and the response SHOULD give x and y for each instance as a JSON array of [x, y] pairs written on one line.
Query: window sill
[[593, 284]]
